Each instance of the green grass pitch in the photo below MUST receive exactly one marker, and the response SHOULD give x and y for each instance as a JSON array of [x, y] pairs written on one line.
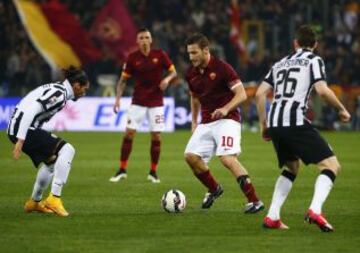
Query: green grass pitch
[[127, 217]]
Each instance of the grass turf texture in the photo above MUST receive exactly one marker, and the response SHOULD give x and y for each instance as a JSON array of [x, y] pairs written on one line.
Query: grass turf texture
[[127, 217]]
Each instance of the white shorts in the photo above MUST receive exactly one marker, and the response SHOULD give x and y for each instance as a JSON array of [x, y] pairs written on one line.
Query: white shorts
[[221, 137], [155, 116]]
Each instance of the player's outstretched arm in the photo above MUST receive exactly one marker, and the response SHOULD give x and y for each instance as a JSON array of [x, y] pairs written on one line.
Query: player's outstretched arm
[[18, 149], [328, 95], [240, 96], [260, 99], [167, 79], [119, 91], [195, 109]]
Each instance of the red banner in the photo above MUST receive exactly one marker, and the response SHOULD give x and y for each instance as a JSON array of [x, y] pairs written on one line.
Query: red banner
[[69, 29], [115, 29], [235, 27]]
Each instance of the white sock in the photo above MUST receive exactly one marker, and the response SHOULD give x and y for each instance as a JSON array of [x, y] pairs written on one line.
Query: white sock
[[62, 168], [323, 186], [282, 188], [43, 179]]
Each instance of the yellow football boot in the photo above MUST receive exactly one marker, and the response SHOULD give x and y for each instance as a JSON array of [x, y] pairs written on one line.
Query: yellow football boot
[[34, 206], [56, 205]]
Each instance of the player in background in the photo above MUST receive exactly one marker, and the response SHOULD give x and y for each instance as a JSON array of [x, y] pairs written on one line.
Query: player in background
[[294, 138], [24, 130], [216, 91], [146, 66]]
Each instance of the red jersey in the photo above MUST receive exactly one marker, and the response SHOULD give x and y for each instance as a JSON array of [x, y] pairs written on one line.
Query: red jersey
[[213, 88], [148, 73]]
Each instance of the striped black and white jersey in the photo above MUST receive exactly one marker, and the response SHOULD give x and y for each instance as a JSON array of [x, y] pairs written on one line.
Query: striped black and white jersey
[[292, 79], [38, 107]]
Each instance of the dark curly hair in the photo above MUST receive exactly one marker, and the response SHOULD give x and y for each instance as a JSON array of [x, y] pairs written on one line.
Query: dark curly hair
[[75, 75]]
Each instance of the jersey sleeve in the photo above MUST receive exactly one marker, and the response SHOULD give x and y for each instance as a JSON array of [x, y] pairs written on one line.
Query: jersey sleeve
[[167, 63], [128, 69], [317, 70], [51, 98], [26, 118], [231, 77], [269, 78]]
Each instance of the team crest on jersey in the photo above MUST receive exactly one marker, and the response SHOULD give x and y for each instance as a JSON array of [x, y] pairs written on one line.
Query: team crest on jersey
[[155, 60], [212, 75], [53, 100], [137, 63]]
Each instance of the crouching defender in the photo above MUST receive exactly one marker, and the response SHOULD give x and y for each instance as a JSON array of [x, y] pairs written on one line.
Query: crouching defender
[[55, 154]]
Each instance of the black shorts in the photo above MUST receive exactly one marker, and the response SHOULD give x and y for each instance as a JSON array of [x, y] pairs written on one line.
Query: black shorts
[[40, 145], [302, 142]]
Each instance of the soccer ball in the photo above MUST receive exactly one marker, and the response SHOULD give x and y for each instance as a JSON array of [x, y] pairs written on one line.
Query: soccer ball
[[173, 201]]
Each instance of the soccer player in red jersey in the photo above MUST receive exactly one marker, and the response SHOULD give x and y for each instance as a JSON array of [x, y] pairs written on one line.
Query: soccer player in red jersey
[[146, 66], [216, 91]]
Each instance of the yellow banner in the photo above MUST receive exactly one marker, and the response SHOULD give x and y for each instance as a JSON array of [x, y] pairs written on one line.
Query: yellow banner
[[56, 52]]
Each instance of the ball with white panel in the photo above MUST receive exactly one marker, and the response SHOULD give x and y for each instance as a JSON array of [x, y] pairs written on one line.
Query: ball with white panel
[[173, 201]]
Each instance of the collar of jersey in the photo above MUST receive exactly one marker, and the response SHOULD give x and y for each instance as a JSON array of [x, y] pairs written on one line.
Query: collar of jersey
[[69, 90], [209, 66], [303, 49]]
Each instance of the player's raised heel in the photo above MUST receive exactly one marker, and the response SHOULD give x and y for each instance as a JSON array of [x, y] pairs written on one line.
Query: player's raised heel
[[118, 176], [56, 205], [36, 206], [211, 197], [319, 220], [274, 224], [254, 207]]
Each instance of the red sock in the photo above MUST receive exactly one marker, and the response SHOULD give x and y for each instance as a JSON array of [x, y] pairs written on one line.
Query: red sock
[[155, 154], [247, 188], [207, 179], [126, 148], [123, 165]]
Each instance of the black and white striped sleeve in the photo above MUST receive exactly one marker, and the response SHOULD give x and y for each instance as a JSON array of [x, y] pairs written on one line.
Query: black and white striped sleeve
[[26, 118], [51, 99], [317, 70], [269, 78]]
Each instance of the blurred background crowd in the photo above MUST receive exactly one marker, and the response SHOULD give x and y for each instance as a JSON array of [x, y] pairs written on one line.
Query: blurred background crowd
[[267, 28]]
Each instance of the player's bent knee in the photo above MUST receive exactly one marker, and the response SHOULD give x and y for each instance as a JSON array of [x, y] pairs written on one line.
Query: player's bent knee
[[228, 160], [155, 136], [191, 158], [68, 148], [330, 163], [130, 134], [293, 166]]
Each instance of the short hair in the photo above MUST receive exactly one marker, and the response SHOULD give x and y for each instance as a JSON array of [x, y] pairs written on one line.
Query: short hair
[[142, 30], [306, 36], [74, 75], [198, 38]]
